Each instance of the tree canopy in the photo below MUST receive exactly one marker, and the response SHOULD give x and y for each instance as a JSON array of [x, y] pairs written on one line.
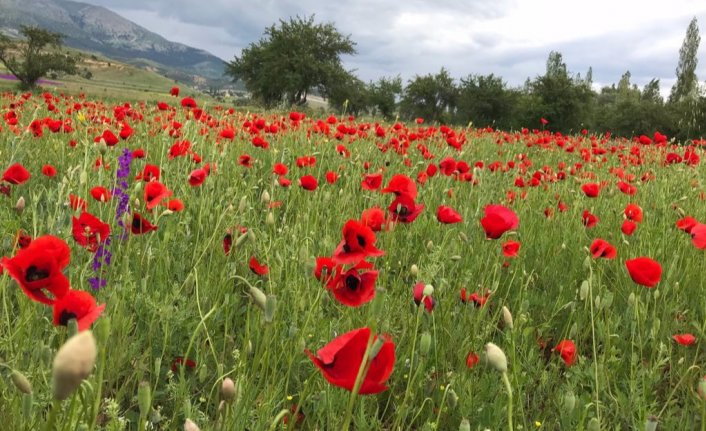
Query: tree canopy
[[36, 56], [292, 59]]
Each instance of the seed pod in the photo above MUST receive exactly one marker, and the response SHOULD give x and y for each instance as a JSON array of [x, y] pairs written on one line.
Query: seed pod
[[73, 363]]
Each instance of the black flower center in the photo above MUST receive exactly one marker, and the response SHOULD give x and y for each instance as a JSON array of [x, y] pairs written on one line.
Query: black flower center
[[33, 274], [361, 240], [65, 316], [352, 282]]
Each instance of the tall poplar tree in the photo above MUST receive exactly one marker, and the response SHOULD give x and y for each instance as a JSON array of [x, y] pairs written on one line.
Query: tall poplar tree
[[687, 83]]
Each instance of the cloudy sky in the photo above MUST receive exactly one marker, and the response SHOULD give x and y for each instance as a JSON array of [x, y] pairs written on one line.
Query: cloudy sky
[[511, 38]]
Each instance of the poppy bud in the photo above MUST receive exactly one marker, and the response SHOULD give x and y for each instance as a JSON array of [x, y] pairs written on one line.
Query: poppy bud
[[251, 235], [452, 399], [20, 205], [270, 220], [455, 258], [102, 147], [102, 329], [593, 425], [507, 318], [21, 383], [242, 205], [430, 245], [203, 373], [241, 239], [228, 391], [583, 291], [701, 388], [270, 308], [265, 197], [144, 398], [569, 403], [73, 363], [138, 187], [258, 297], [46, 354], [428, 290], [83, 178], [465, 425], [651, 424], [463, 237], [631, 299], [414, 270], [189, 425], [425, 344], [496, 357]]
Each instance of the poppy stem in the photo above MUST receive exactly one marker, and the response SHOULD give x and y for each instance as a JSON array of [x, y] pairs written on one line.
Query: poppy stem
[[508, 387], [55, 407], [281, 415], [362, 371]]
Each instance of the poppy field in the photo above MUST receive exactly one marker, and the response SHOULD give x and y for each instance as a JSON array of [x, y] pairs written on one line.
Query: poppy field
[[184, 265]]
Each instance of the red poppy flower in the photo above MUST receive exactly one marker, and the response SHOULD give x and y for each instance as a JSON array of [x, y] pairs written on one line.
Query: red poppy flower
[[355, 286], [149, 173], [341, 359], [284, 182], [197, 177], [374, 218], [174, 91], [331, 177], [280, 169], [472, 360], [324, 269], [179, 362], [358, 243], [626, 188], [188, 102], [686, 224], [403, 209], [371, 181], [23, 240], [49, 171], [448, 215], [16, 174], [684, 339], [589, 220], [511, 248], [633, 212], [498, 220], [257, 268], [308, 182], [140, 225], [138, 154], [155, 192], [39, 267], [88, 231], [108, 137], [245, 160], [418, 294], [402, 185], [77, 203], [477, 299], [628, 227], [644, 271], [567, 350], [543, 121], [591, 190], [227, 243], [101, 194], [79, 305], [602, 248], [698, 236]]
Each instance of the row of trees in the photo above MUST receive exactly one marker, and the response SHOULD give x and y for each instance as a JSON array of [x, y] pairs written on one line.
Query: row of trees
[[299, 56]]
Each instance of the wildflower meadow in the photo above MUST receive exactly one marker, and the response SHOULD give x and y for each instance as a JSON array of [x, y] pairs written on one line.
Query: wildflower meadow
[[185, 265]]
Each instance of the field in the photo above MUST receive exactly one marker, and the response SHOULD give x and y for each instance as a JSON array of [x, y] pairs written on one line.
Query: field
[[283, 244]]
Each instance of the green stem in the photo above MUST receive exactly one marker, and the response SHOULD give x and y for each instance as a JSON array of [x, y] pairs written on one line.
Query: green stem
[[703, 415], [278, 418], [55, 407], [362, 371], [508, 387]]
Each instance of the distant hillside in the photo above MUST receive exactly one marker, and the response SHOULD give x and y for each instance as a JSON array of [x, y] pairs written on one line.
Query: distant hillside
[[97, 29]]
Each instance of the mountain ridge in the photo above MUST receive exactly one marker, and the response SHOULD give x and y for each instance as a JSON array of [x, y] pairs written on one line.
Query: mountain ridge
[[97, 29]]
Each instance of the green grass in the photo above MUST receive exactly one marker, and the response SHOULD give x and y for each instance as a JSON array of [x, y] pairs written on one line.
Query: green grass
[[174, 293]]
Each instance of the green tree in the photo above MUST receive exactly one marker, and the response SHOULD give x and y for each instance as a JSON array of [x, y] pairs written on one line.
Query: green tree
[[485, 100], [432, 97], [384, 94], [346, 93], [36, 56], [687, 83], [291, 60]]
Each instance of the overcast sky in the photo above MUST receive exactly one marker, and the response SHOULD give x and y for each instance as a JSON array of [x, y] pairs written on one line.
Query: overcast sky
[[510, 38]]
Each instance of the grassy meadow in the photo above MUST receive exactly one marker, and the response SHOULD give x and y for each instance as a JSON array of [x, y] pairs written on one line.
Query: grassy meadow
[[587, 344]]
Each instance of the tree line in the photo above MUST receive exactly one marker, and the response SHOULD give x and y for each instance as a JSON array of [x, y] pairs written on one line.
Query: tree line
[[299, 56]]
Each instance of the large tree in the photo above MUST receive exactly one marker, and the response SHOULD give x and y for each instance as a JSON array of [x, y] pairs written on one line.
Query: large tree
[[486, 101], [292, 59], [432, 97], [36, 56], [687, 83], [383, 95]]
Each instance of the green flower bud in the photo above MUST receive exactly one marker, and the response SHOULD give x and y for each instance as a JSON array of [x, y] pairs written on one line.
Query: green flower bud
[[593, 425], [452, 399], [425, 344], [189, 425], [569, 403], [414, 270], [228, 391], [651, 424], [496, 357], [144, 398], [701, 388], [465, 425], [243, 204], [27, 407], [258, 297], [507, 318], [270, 308]]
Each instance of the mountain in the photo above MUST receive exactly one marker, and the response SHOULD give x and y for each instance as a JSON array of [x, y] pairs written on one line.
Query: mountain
[[97, 29]]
